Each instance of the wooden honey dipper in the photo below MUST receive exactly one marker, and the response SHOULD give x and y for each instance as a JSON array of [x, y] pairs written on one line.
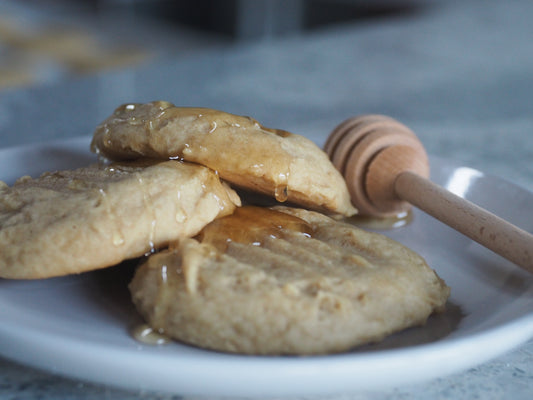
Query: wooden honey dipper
[[387, 170]]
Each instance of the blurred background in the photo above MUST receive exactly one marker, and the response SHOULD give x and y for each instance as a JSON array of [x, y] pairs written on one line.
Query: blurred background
[[458, 72], [48, 40]]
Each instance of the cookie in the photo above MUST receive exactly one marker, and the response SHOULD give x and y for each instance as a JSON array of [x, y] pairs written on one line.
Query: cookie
[[285, 281], [280, 164], [74, 221]]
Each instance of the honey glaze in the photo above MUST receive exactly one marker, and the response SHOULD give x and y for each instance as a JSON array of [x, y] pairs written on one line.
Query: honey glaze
[[252, 225], [381, 223], [145, 334]]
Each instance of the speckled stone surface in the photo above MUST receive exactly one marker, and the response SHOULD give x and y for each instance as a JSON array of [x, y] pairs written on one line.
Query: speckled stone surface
[[458, 73]]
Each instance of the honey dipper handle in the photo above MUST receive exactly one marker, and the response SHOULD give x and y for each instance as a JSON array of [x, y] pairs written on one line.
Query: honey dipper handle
[[478, 224]]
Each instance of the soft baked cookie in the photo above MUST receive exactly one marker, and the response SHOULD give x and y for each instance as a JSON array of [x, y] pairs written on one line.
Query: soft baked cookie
[[285, 281], [275, 162], [74, 221]]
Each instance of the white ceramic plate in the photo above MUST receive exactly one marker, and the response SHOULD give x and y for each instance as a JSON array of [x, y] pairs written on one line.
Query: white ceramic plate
[[79, 326]]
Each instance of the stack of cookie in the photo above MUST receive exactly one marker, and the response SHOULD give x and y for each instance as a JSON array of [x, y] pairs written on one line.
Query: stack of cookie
[[216, 273]]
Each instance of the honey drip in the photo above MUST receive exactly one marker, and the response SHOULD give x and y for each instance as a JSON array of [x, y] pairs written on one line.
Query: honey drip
[[145, 334], [281, 193], [252, 225], [147, 198]]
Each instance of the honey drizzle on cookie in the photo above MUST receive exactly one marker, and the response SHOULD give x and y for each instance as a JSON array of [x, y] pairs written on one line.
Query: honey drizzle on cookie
[[252, 225]]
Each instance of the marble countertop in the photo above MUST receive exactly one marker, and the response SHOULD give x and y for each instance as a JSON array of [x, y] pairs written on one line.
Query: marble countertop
[[458, 73]]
